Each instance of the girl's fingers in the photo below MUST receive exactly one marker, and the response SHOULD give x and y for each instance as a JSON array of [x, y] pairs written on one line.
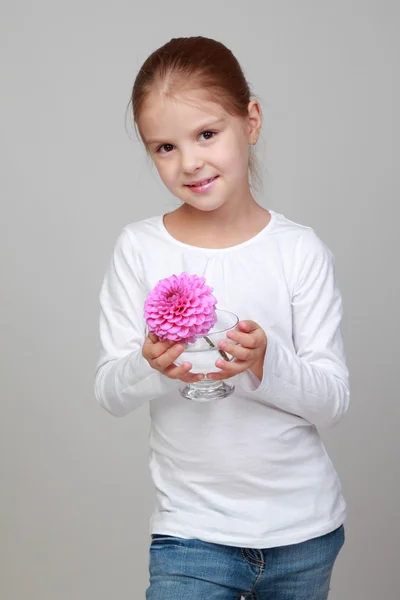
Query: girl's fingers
[[248, 326], [218, 376], [155, 347], [238, 352], [152, 350], [183, 373], [191, 378], [248, 340], [168, 357], [228, 369], [162, 356]]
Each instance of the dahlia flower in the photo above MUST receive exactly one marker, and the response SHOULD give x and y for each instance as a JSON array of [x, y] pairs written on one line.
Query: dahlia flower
[[180, 308]]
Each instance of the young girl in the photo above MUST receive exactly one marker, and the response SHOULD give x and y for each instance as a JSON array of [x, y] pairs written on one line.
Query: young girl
[[247, 501]]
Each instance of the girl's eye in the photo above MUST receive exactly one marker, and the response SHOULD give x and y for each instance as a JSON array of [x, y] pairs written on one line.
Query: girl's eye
[[165, 148], [208, 134]]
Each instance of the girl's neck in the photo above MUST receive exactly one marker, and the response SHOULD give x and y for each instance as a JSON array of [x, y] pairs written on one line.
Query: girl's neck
[[221, 228]]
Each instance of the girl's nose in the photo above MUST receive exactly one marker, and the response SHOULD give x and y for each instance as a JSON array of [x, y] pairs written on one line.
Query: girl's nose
[[191, 162]]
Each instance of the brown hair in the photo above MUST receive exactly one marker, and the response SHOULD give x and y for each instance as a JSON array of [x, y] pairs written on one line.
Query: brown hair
[[194, 62]]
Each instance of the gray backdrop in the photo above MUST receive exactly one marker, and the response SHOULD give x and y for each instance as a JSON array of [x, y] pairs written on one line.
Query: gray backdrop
[[75, 490]]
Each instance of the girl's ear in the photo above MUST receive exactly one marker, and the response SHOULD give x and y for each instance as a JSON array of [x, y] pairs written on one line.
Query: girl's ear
[[254, 121]]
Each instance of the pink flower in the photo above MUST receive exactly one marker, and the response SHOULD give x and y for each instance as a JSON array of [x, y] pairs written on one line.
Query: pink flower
[[180, 308]]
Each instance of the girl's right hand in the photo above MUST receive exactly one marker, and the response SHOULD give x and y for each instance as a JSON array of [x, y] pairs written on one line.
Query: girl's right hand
[[162, 355]]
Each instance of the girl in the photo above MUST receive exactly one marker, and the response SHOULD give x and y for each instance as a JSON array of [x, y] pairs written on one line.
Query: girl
[[247, 501]]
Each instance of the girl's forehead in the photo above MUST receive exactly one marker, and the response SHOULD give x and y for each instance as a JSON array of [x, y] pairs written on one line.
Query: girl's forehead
[[183, 110], [196, 101]]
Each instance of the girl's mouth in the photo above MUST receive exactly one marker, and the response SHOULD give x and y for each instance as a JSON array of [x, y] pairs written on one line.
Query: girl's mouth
[[199, 187]]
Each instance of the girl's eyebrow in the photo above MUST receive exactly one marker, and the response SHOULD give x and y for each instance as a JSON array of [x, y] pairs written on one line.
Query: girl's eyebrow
[[202, 127], [209, 124]]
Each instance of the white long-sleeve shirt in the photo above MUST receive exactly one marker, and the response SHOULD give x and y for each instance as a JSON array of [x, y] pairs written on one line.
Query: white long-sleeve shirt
[[249, 470]]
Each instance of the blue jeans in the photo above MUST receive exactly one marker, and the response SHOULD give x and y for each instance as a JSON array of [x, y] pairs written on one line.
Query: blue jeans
[[183, 569]]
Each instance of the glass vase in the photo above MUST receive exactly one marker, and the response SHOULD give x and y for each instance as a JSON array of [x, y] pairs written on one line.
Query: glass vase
[[203, 354]]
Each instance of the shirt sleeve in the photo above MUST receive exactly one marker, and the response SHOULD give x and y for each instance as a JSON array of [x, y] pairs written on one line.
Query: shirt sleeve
[[309, 377], [124, 379]]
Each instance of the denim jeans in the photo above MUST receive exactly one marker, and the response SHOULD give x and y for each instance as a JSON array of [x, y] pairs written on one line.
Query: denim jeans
[[182, 569]]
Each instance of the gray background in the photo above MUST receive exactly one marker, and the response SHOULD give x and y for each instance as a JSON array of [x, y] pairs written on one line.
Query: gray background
[[75, 490]]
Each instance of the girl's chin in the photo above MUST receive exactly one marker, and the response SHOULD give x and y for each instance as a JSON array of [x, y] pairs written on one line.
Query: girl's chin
[[204, 205]]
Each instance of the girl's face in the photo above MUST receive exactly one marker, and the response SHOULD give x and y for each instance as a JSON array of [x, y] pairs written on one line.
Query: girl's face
[[201, 152]]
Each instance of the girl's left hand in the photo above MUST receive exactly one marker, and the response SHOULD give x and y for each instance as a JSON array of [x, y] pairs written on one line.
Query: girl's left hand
[[249, 351]]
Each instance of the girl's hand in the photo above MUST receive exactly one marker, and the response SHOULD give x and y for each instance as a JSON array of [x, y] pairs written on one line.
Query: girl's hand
[[250, 354], [162, 355]]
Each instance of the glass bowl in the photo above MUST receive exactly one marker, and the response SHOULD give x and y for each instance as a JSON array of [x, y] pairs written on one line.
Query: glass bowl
[[203, 354]]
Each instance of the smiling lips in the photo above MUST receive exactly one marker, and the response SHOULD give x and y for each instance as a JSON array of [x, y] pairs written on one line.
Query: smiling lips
[[201, 186]]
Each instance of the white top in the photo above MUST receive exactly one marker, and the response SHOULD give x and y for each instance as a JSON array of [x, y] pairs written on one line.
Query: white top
[[249, 470]]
